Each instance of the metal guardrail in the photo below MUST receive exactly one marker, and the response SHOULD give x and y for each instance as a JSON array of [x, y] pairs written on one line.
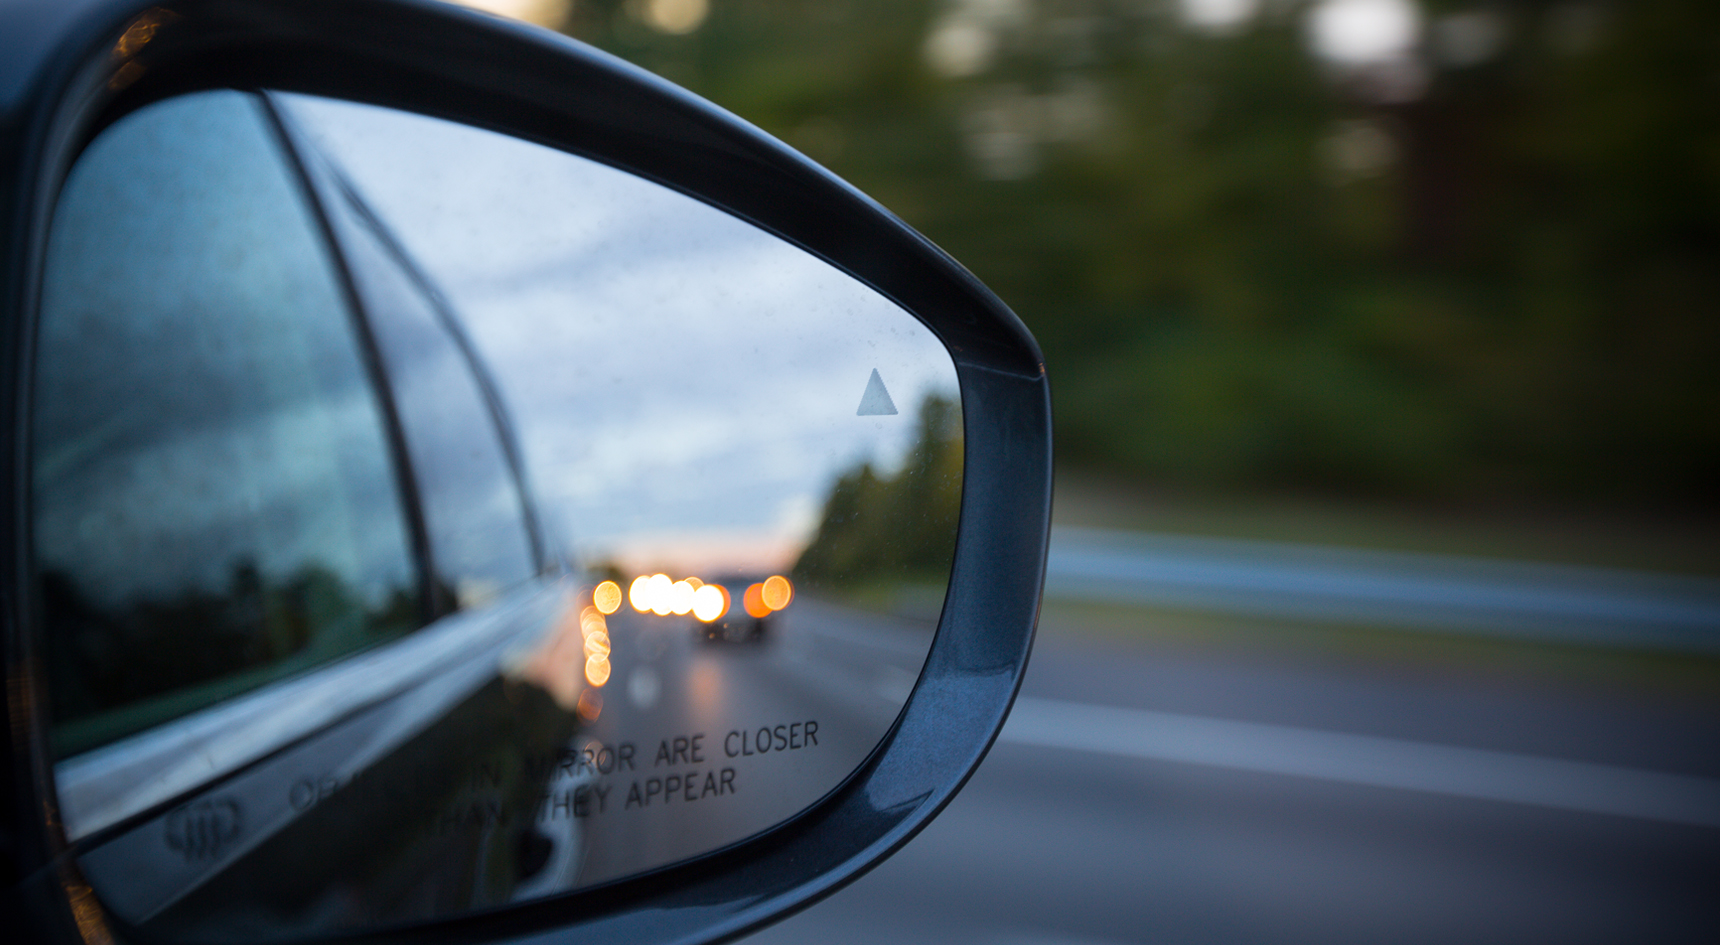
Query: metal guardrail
[[1555, 603]]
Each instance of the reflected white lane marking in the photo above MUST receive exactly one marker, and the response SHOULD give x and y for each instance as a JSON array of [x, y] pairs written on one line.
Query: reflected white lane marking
[[1365, 759]]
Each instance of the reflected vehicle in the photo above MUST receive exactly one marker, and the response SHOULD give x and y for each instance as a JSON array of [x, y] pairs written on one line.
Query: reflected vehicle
[[715, 613], [330, 579], [746, 615]]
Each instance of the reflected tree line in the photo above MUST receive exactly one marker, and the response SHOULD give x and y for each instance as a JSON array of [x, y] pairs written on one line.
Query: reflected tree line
[[124, 667], [880, 527]]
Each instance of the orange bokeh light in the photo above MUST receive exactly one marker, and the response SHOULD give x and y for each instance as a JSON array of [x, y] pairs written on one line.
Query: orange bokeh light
[[660, 591], [606, 597], [710, 602], [590, 705], [597, 644], [777, 592], [597, 669], [681, 598], [753, 602], [639, 594]]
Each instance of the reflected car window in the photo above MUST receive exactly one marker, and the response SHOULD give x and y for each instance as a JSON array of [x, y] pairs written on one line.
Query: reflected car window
[[214, 502], [474, 512]]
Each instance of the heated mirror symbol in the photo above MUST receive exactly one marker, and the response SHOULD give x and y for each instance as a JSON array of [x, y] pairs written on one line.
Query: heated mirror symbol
[[393, 718], [876, 400]]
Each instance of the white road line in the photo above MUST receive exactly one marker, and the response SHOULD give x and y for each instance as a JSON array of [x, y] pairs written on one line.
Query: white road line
[[1365, 759]]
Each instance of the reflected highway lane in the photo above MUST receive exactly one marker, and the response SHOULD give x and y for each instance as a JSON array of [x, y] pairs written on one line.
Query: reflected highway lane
[[1169, 792], [699, 744]]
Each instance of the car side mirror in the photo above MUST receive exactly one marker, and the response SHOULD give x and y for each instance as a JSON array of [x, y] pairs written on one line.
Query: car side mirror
[[468, 487]]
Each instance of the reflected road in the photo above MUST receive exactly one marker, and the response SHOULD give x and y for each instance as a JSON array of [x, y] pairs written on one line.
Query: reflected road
[[699, 744]]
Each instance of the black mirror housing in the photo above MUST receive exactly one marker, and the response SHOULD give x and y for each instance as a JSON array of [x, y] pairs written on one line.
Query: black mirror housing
[[72, 68]]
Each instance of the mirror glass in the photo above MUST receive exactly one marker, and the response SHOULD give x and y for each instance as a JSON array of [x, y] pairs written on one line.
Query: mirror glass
[[425, 520]]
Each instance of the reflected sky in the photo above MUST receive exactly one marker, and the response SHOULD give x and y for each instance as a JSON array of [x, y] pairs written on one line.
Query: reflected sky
[[684, 385], [199, 399]]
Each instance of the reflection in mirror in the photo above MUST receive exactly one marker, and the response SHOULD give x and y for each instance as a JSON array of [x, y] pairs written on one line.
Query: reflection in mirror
[[425, 520]]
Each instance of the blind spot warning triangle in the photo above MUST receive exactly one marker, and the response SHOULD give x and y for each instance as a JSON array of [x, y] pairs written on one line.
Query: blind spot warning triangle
[[876, 401]]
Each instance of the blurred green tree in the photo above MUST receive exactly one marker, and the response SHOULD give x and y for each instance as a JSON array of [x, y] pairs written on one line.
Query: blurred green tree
[[1483, 268]]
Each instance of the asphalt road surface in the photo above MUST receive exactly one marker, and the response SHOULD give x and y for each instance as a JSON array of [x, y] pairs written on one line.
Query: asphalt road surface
[[1166, 792], [1157, 788]]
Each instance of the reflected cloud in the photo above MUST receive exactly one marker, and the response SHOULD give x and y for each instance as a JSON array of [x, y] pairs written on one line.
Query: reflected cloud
[[714, 369]]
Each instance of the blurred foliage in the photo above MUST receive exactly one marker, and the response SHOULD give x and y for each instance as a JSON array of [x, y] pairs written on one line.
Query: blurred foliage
[[879, 526], [1484, 270]]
